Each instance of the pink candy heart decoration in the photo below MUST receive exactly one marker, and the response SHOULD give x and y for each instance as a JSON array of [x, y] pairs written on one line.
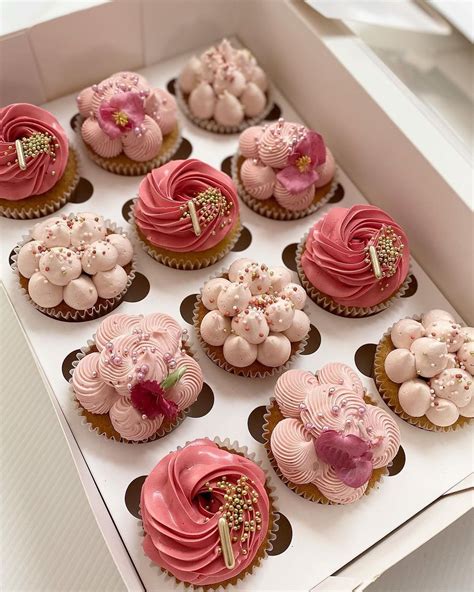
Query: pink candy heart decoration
[[349, 455]]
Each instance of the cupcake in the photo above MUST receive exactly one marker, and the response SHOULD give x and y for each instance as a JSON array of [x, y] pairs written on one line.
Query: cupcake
[[354, 261], [187, 214], [424, 371], [128, 127], [76, 267], [224, 90], [324, 438], [283, 170], [38, 169], [207, 514], [136, 379], [250, 321]]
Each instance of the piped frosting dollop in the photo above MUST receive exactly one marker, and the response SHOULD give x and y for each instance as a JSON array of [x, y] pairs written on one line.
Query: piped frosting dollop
[[265, 313], [225, 84], [330, 436], [432, 363], [141, 375]]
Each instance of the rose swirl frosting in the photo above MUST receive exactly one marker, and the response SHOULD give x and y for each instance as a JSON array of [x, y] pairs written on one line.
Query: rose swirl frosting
[[44, 145], [163, 214], [182, 501], [337, 259], [335, 440]]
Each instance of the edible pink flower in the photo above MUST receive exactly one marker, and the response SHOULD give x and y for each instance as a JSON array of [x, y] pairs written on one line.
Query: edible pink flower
[[148, 398], [348, 455], [300, 173], [122, 113]]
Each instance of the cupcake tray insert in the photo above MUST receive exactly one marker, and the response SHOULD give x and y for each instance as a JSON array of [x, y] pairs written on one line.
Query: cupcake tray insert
[[324, 538]]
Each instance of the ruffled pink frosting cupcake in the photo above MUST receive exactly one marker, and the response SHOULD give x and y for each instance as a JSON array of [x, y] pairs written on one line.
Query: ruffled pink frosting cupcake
[[224, 85], [330, 438], [252, 320], [355, 259], [184, 500], [123, 115], [432, 364], [187, 211], [34, 153], [140, 376], [281, 166], [74, 266]]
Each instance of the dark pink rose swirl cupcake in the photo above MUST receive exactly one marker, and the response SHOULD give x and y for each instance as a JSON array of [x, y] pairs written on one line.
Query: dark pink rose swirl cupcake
[[187, 214], [38, 170], [354, 261]]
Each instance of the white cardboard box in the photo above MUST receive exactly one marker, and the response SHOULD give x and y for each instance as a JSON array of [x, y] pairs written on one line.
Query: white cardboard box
[[307, 63]]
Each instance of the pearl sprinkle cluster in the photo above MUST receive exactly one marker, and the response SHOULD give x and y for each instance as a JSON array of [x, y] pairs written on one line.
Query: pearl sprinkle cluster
[[238, 509], [210, 204]]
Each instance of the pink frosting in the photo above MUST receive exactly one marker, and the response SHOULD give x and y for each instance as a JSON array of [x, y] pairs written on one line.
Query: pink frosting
[[336, 261], [74, 251], [43, 171], [264, 319], [278, 148], [429, 364], [224, 83], [161, 211], [144, 120], [133, 350], [95, 395], [331, 403], [180, 503]]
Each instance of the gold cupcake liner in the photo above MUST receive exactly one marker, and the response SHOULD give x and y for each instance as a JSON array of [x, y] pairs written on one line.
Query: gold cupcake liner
[[326, 302], [215, 353], [100, 308], [186, 261], [389, 390], [266, 546], [308, 491], [122, 165], [47, 203], [101, 424], [270, 208], [211, 125]]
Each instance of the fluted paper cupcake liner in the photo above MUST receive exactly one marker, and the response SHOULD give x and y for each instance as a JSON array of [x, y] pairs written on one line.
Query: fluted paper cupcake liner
[[211, 125], [326, 302], [269, 207], [266, 546], [48, 202], [389, 390], [182, 260], [215, 353], [99, 309], [122, 165], [101, 424], [308, 491]]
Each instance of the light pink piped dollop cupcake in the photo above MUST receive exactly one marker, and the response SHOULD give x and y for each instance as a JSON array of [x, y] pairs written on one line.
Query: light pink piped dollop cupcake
[[251, 321], [75, 268], [224, 90], [136, 380], [128, 127], [284, 170], [324, 438], [424, 369]]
